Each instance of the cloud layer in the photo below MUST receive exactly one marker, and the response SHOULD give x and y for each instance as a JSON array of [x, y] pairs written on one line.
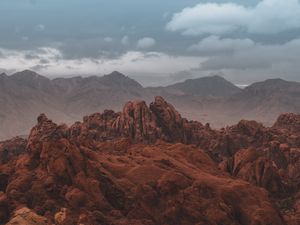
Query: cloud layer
[[215, 45], [254, 55], [50, 61], [267, 17]]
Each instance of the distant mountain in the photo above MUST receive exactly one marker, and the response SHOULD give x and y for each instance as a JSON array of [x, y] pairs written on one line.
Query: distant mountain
[[265, 100], [3, 75], [26, 94], [31, 79], [199, 99], [94, 93], [214, 86], [271, 87], [23, 95]]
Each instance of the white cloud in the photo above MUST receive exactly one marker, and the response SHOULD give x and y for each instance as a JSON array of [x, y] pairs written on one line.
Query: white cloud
[[50, 61], [125, 40], [146, 42], [267, 17], [216, 45], [242, 59]]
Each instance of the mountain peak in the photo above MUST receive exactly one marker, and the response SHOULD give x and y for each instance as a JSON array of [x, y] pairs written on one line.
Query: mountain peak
[[42, 118], [272, 85], [215, 86], [28, 74], [116, 73], [3, 75], [119, 78], [276, 80], [273, 81]]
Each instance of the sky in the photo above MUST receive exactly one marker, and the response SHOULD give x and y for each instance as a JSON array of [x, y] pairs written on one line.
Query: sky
[[155, 42]]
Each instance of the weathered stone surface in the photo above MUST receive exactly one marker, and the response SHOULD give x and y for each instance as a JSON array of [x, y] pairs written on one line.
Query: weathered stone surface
[[148, 165], [25, 216]]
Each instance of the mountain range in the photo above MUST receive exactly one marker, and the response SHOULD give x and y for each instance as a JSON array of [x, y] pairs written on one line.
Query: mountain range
[[214, 100]]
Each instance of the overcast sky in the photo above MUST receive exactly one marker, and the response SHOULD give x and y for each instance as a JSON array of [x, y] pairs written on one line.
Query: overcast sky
[[155, 42]]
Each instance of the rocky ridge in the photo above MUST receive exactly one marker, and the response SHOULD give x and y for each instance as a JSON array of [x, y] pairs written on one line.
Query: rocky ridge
[[148, 165]]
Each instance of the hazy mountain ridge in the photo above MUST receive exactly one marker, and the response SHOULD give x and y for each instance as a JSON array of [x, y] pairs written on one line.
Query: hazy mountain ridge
[[266, 100], [214, 86], [26, 94]]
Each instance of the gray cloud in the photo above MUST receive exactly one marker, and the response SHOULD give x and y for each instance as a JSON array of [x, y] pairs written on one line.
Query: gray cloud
[[6, 71], [216, 45], [258, 56], [146, 42], [50, 61]]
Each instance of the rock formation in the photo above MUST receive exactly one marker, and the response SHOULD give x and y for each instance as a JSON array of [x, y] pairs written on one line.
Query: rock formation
[[148, 165]]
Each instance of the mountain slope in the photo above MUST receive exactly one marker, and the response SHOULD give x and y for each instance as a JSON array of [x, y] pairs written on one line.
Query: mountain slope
[[213, 100], [266, 100], [26, 94], [214, 86], [92, 94]]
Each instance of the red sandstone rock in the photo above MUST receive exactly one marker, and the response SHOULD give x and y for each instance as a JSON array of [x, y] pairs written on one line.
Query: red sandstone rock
[[117, 168], [289, 121]]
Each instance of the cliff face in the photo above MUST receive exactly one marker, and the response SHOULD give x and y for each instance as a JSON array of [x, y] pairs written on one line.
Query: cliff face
[[140, 123], [148, 165]]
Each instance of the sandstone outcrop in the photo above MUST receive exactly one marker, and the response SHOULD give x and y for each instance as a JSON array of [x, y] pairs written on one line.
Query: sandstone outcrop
[[25, 216], [148, 165]]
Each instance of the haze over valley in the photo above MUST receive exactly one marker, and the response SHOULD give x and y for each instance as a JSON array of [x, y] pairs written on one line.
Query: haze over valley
[[214, 100]]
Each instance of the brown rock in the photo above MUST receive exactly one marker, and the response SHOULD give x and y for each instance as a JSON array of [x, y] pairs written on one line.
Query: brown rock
[[25, 216], [75, 198], [145, 166]]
